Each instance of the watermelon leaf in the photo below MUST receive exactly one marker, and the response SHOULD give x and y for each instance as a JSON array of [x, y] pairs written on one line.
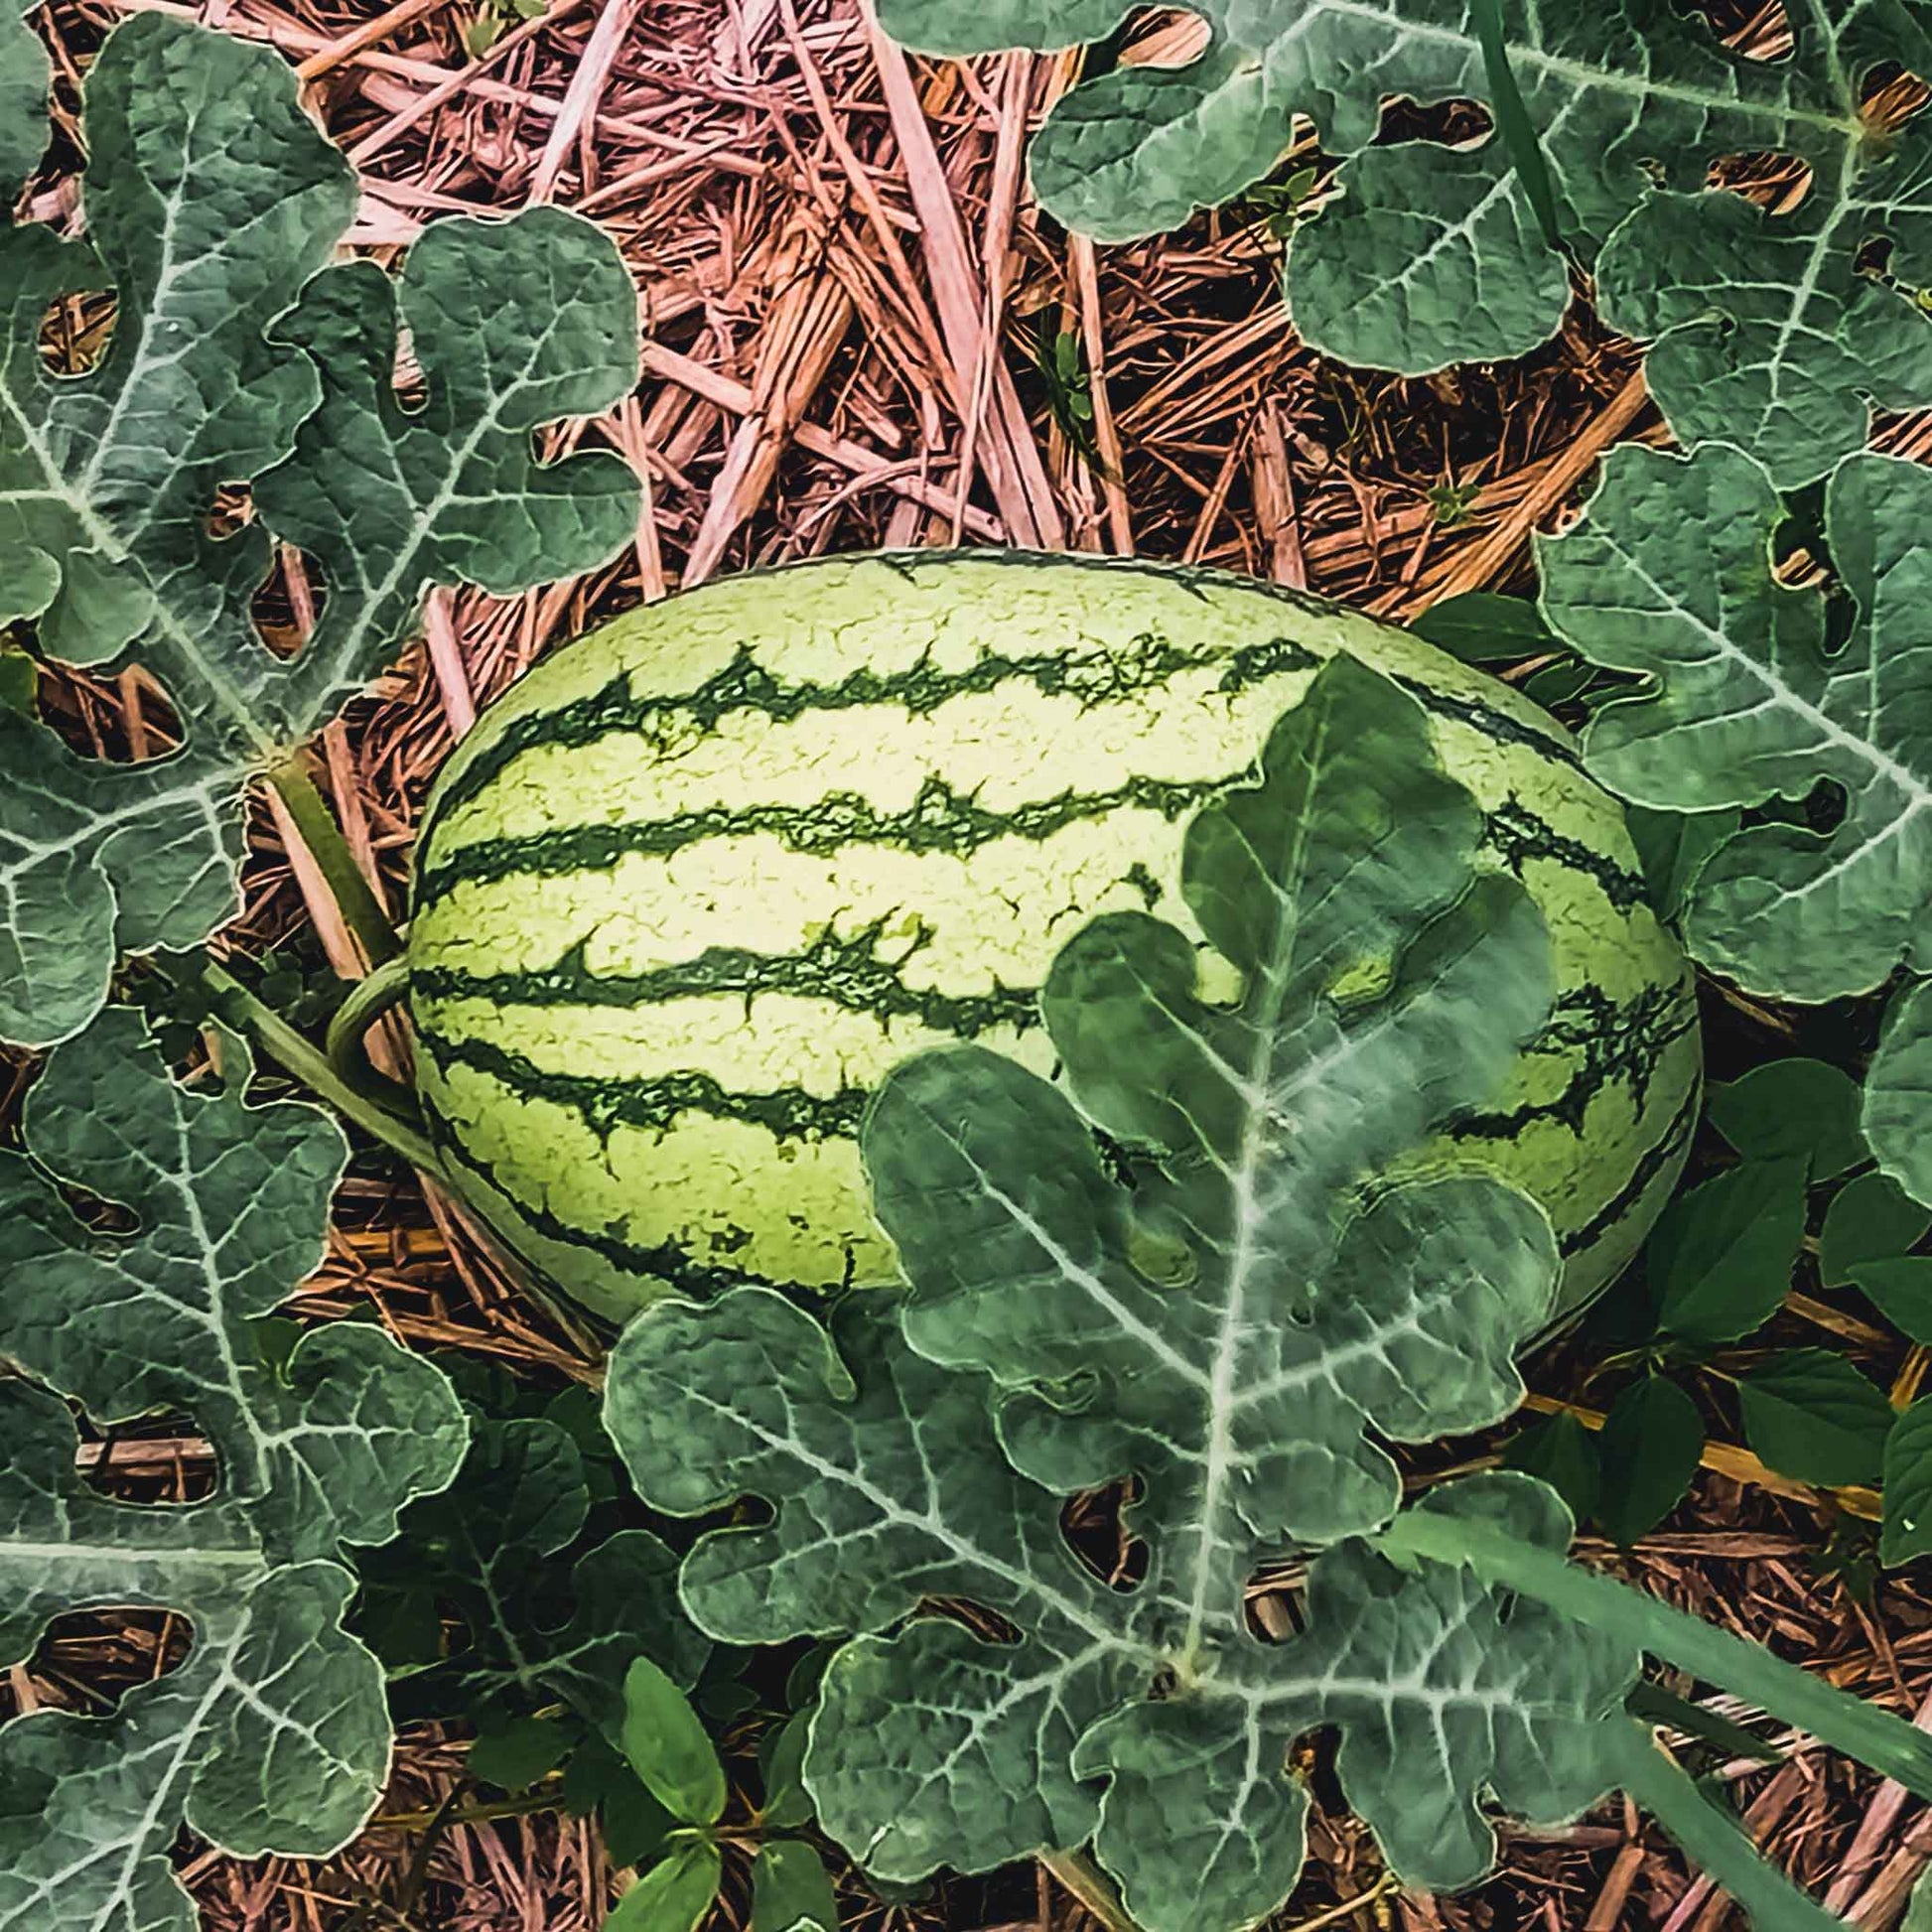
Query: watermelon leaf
[[1669, 576], [1278, 1278], [273, 1736], [211, 207], [23, 75], [1774, 330], [546, 1618]]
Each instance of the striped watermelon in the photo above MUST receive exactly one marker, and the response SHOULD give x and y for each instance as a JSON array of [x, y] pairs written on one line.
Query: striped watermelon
[[686, 892]]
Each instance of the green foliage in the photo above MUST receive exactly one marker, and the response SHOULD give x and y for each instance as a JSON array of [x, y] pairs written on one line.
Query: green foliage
[[1812, 1415], [211, 207], [1561, 1451], [792, 1890], [1225, 1329], [550, 1612], [272, 1736], [1871, 1220], [1481, 628], [666, 1745], [674, 1895], [1722, 1253], [1908, 1529], [1652, 1440], [1771, 330], [1792, 1109], [1669, 576], [23, 73]]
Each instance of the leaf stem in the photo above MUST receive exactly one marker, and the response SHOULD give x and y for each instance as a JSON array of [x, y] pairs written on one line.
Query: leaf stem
[[1875, 1737], [1078, 1875], [358, 905], [268, 1028], [1714, 1840]]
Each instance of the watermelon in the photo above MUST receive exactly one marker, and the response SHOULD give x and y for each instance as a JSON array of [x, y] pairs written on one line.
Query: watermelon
[[688, 891]]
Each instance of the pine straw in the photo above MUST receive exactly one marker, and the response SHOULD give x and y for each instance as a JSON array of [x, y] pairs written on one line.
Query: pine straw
[[842, 285]]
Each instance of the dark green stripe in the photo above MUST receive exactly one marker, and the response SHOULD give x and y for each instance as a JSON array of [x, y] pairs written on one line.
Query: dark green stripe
[[849, 971], [665, 720], [1516, 835], [663, 1262], [941, 820], [1613, 1043], [1656, 1157], [655, 1101]]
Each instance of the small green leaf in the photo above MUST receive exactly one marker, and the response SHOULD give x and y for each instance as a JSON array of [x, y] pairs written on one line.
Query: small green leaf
[[1795, 1108], [673, 1895], [1870, 1218], [1721, 1254], [1650, 1446], [20, 677], [1902, 1290], [1811, 1415], [520, 1752], [1482, 627], [1908, 1529], [634, 1825], [1673, 848], [1558, 683], [668, 1748], [402, 1626], [788, 1804], [791, 1891], [1565, 1454]]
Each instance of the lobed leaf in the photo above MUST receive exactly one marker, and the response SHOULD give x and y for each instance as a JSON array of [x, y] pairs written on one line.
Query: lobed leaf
[[23, 75], [212, 206], [1669, 577], [1775, 330], [545, 1621], [273, 1736], [1227, 1329]]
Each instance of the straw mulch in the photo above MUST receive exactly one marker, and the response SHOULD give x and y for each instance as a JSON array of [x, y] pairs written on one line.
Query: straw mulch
[[844, 290]]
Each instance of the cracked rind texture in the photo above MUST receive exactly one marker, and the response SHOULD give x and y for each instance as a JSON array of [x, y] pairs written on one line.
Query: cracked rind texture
[[701, 878]]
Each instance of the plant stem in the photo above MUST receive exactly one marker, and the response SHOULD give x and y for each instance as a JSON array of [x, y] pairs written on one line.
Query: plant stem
[[1875, 1737], [358, 906], [1078, 1875], [268, 1028]]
